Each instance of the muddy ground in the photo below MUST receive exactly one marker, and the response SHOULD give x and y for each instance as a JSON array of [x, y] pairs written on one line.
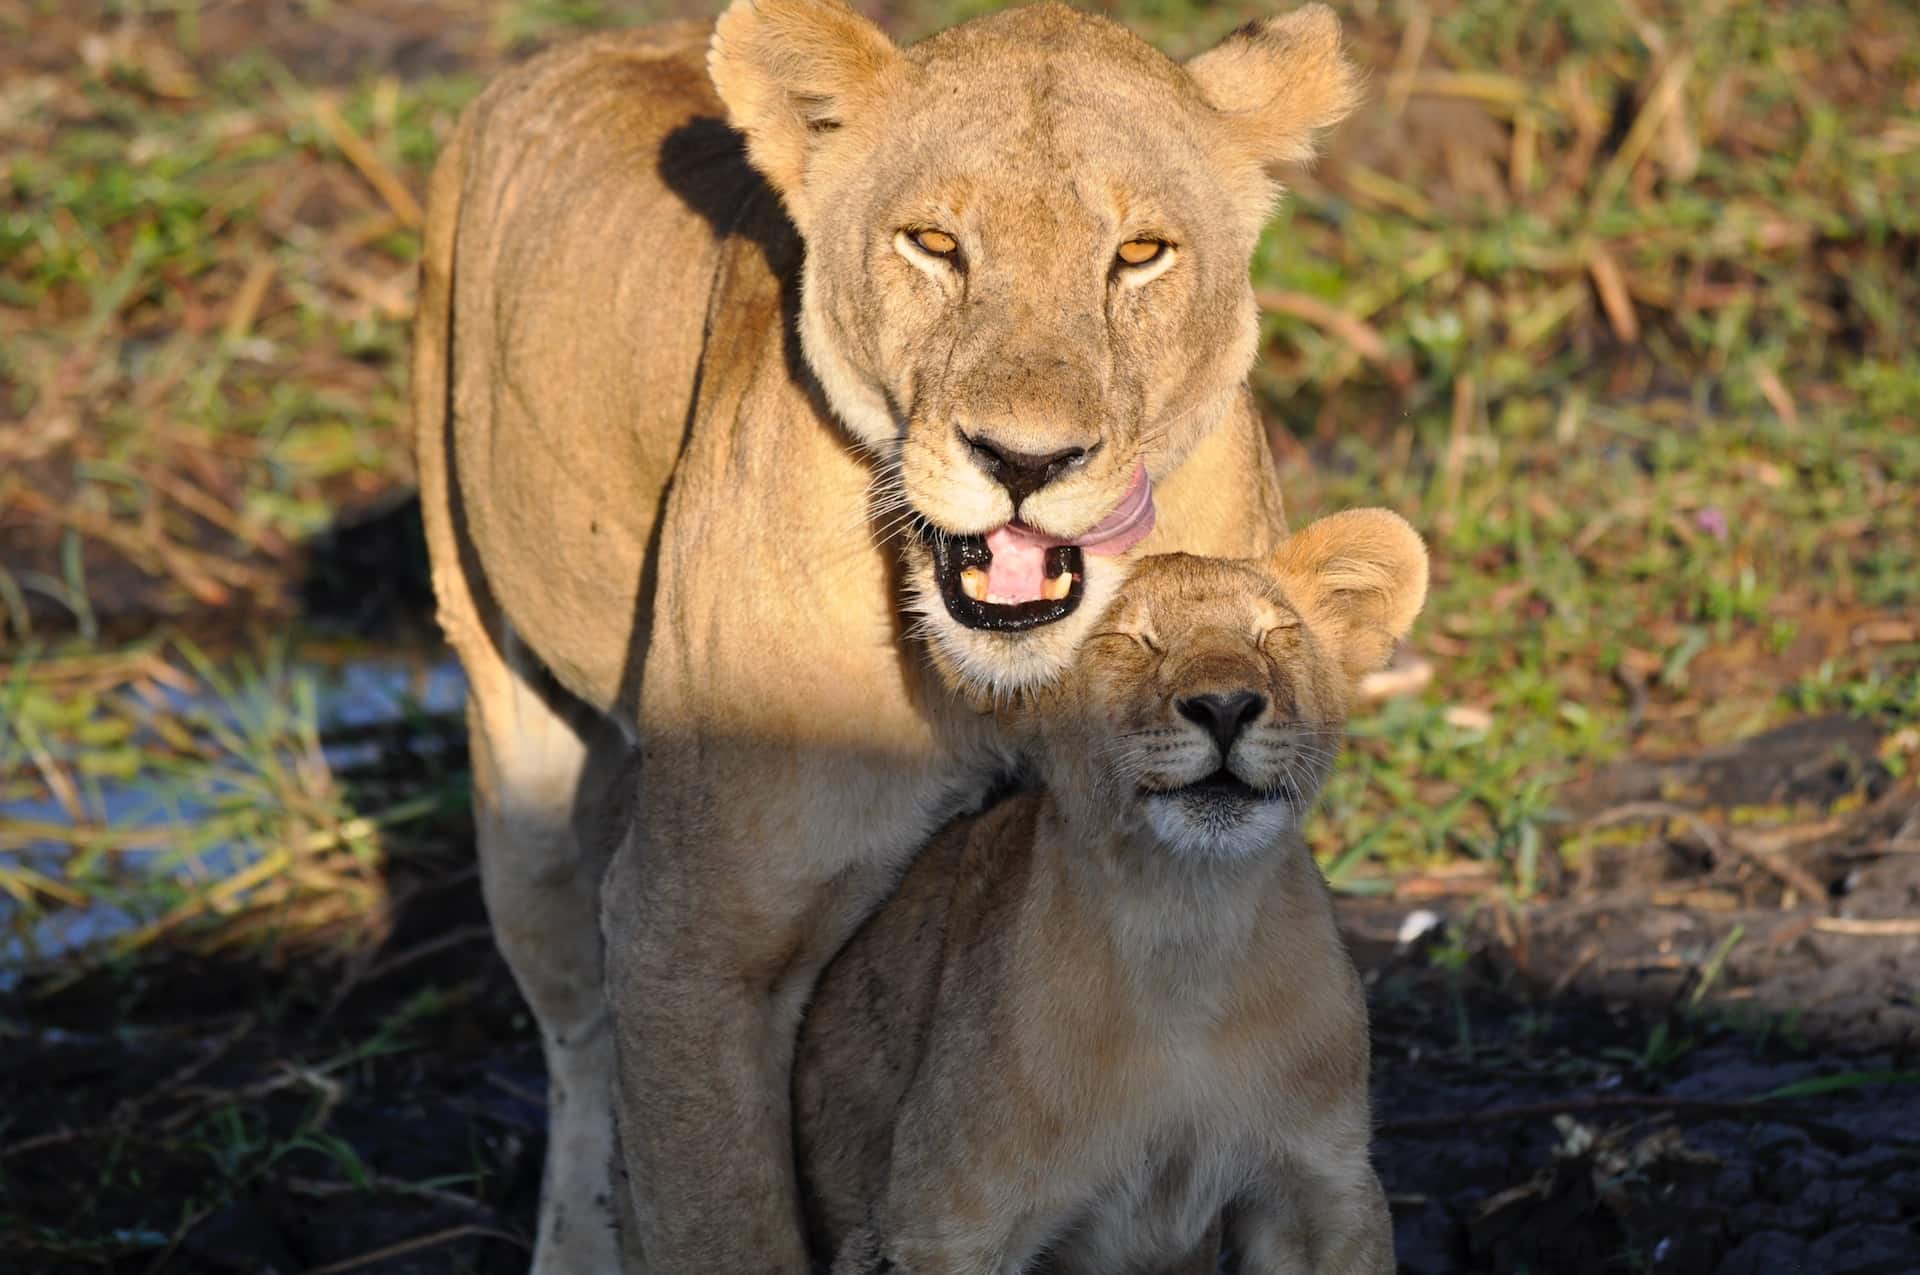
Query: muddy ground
[[1598, 1082]]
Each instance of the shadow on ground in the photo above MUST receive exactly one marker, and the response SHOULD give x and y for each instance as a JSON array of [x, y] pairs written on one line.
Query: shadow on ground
[[368, 575], [1601, 1081]]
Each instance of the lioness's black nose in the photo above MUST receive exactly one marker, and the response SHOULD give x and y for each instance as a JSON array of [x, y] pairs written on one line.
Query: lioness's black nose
[[1222, 716], [1021, 473]]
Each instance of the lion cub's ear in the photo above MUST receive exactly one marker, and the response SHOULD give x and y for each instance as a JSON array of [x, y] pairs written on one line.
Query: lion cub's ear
[[1279, 81], [790, 72], [1362, 575]]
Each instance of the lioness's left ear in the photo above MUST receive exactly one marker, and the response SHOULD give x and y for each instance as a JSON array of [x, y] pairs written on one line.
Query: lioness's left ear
[[1363, 575], [790, 73], [1279, 81]]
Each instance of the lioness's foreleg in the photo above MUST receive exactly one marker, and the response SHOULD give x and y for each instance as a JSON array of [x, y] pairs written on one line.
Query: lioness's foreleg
[[714, 942], [536, 771]]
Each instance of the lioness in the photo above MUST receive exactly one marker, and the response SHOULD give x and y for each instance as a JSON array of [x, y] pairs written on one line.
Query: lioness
[[1093, 1017], [755, 364]]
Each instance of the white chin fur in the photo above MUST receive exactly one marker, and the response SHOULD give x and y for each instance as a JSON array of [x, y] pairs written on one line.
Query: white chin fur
[[1181, 832], [1004, 664]]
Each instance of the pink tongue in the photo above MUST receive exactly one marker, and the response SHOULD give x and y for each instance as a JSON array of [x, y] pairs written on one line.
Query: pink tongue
[[1019, 566]]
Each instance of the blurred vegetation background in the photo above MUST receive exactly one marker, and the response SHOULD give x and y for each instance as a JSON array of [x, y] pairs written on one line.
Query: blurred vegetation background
[[1615, 298]]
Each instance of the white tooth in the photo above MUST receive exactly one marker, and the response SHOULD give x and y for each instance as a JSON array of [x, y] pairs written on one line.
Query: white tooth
[[1058, 587], [973, 583]]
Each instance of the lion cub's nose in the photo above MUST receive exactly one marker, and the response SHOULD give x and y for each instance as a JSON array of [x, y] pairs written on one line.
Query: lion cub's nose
[[1021, 473], [1222, 716]]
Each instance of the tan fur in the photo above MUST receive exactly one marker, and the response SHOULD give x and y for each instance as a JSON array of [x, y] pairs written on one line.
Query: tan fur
[[1088, 1020], [671, 413]]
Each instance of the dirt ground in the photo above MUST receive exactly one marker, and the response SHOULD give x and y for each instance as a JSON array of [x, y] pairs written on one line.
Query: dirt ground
[[1600, 1081]]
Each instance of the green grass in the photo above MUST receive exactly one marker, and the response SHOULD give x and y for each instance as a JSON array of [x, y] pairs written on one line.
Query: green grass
[[1625, 303], [1542, 606], [1706, 491]]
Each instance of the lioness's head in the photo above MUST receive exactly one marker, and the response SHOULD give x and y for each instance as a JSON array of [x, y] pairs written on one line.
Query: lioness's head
[[1026, 281], [1206, 708]]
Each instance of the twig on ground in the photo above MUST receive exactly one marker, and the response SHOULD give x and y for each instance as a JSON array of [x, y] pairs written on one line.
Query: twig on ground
[[367, 161], [246, 301], [1453, 466], [1602, 1102], [1614, 300], [1865, 927], [324, 1190], [1406, 61], [1664, 97], [1396, 680], [363, 975], [1721, 844], [453, 938], [431, 1240], [511, 1089], [1360, 336], [1573, 970]]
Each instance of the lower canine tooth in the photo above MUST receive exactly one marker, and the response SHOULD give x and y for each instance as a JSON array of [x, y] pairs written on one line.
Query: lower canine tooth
[[973, 583], [1058, 587]]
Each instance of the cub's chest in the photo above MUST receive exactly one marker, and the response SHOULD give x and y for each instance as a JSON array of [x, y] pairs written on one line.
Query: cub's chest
[[1158, 1209]]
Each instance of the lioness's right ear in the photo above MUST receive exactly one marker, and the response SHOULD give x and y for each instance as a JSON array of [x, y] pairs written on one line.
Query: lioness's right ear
[[790, 71], [1279, 81], [1363, 574]]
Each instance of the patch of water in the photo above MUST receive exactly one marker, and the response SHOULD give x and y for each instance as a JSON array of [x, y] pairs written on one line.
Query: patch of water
[[152, 840]]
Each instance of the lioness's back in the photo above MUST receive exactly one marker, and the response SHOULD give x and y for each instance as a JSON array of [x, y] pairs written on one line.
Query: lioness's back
[[596, 185]]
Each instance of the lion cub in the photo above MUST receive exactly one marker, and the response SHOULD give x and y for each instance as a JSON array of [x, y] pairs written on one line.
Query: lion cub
[[1092, 1018]]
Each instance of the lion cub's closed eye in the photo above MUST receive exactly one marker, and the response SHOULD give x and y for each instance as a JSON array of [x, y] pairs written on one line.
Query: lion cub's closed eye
[[1094, 1017], [1210, 702]]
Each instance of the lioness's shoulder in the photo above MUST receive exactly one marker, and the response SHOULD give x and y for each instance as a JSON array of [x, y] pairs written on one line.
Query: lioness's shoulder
[[631, 85]]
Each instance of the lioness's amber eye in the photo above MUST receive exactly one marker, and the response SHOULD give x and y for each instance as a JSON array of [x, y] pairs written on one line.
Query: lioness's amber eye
[[937, 242], [1138, 252]]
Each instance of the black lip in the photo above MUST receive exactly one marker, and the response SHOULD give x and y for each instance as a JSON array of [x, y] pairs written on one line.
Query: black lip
[[954, 554], [1221, 785]]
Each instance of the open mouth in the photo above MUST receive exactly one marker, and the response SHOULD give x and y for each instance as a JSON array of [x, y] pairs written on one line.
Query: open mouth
[[1020, 587], [1015, 577]]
